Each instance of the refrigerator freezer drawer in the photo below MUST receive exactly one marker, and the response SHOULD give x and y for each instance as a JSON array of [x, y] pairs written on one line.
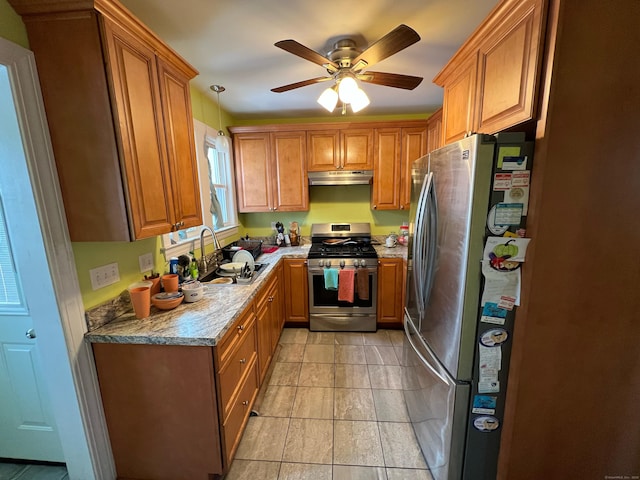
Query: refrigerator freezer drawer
[[437, 406]]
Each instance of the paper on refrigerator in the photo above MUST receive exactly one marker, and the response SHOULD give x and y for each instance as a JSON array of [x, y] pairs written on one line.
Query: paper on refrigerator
[[499, 284]]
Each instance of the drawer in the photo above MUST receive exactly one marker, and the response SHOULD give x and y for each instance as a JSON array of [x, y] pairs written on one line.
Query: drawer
[[226, 345], [235, 367], [240, 410]]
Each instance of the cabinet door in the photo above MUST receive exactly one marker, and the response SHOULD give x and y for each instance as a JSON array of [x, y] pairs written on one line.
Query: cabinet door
[[459, 100], [356, 145], [176, 104], [387, 169], [289, 183], [507, 69], [414, 146], [434, 131], [390, 286], [253, 176], [137, 103], [296, 292], [263, 325], [323, 150]]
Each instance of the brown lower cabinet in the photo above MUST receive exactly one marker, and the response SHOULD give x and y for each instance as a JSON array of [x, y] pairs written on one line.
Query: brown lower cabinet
[[176, 411], [296, 292], [391, 280]]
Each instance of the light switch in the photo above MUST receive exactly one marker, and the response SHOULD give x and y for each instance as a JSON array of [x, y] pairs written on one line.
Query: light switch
[[146, 262]]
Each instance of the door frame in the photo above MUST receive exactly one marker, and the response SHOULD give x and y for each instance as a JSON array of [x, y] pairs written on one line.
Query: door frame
[[68, 365]]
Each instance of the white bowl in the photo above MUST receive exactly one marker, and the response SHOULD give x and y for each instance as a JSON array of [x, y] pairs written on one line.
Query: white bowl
[[193, 292]]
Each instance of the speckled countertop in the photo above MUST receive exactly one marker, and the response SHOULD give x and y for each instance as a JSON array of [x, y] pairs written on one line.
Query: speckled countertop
[[206, 321]]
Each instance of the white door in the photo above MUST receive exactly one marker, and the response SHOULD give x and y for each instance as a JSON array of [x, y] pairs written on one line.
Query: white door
[[27, 425]]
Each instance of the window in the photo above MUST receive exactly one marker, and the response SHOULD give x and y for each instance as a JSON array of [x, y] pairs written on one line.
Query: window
[[10, 293], [215, 170]]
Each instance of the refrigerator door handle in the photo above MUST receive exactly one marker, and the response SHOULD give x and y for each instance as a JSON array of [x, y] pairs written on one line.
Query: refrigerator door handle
[[426, 363], [432, 245], [418, 244]]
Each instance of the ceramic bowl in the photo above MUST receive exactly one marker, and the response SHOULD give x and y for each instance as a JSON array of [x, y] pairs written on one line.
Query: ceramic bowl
[[167, 300], [193, 291]]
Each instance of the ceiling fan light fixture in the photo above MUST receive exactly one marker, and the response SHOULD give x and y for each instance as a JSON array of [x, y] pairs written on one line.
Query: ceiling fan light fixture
[[329, 99], [359, 101], [347, 88]]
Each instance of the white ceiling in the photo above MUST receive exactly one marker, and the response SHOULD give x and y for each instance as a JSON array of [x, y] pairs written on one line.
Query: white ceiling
[[232, 44]]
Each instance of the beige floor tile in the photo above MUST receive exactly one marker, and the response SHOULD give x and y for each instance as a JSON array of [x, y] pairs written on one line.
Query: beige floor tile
[[381, 337], [353, 354], [253, 469], [313, 402], [277, 401], [406, 473], [317, 375], [399, 354], [294, 335], [352, 376], [390, 406], [400, 446], [321, 338], [357, 443], [309, 441], [318, 353], [396, 337], [380, 355], [385, 376], [291, 352], [350, 472], [349, 338], [303, 471], [263, 439], [354, 404], [285, 374]]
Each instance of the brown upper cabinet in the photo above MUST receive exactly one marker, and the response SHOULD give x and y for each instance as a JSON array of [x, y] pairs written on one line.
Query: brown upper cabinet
[[270, 170], [119, 111], [434, 131], [490, 83], [395, 148], [339, 149]]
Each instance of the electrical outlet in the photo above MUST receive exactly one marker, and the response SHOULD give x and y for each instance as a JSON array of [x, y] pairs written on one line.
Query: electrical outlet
[[103, 276], [146, 262]]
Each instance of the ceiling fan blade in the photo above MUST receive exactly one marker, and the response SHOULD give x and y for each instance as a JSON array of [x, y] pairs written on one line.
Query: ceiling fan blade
[[304, 83], [408, 82], [398, 39], [301, 51]]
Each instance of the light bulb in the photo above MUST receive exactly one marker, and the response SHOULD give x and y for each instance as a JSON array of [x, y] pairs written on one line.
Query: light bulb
[[347, 89], [222, 142], [329, 99], [359, 100]]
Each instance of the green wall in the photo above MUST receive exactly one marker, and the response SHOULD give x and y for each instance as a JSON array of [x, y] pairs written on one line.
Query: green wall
[[348, 204]]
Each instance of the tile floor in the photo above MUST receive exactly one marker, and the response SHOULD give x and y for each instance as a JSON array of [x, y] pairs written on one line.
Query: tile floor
[[22, 471], [331, 409]]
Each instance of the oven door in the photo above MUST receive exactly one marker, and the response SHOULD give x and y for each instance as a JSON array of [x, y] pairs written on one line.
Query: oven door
[[326, 313]]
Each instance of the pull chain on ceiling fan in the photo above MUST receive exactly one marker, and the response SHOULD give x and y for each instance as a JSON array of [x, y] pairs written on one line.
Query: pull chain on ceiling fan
[[346, 64]]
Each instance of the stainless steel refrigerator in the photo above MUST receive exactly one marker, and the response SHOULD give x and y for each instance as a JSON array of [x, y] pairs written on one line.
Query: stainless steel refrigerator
[[455, 193]]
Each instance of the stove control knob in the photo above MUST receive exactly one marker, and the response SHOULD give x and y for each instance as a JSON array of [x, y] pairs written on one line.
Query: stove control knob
[[328, 263], [321, 263], [341, 263], [363, 263]]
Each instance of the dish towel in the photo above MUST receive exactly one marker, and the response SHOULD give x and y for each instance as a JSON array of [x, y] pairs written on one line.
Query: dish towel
[[330, 279], [362, 283], [345, 285]]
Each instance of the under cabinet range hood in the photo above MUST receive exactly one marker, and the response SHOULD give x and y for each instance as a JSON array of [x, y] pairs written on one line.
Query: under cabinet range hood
[[341, 177]]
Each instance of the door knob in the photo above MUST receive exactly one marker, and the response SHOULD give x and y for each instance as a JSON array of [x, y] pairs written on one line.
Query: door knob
[[31, 333]]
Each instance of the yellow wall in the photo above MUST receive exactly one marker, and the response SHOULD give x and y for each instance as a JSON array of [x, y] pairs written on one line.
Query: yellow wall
[[348, 204]]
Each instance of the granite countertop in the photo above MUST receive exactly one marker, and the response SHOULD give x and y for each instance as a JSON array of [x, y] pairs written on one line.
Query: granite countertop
[[204, 322]]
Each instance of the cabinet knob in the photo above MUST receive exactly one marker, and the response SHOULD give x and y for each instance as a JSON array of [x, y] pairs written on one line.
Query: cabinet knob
[[401, 207], [275, 208], [243, 361], [240, 328], [375, 207], [245, 403]]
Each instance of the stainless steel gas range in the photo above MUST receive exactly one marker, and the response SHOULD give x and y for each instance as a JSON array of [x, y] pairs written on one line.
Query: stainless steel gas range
[[343, 278]]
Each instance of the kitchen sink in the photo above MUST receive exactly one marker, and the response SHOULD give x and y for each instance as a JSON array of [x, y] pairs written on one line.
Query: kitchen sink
[[212, 275]]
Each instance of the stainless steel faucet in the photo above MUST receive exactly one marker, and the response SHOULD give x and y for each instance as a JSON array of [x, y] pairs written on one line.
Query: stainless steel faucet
[[216, 247]]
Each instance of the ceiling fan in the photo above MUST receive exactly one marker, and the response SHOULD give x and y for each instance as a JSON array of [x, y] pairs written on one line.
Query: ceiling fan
[[347, 61]]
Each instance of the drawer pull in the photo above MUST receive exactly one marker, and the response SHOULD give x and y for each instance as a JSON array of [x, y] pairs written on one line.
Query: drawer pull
[[245, 403], [240, 328], [243, 360]]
